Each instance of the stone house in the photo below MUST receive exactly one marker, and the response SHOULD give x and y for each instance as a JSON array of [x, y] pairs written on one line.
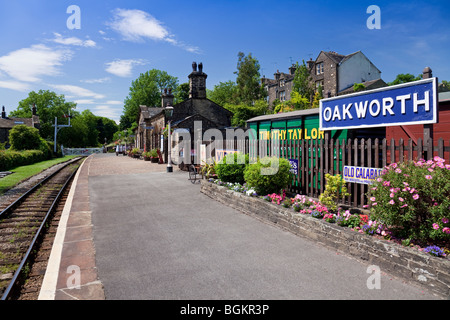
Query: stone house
[[6, 124], [280, 87], [336, 74], [198, 107]]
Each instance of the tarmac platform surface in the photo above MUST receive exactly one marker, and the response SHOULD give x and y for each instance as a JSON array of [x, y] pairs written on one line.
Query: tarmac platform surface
[[131, 231]]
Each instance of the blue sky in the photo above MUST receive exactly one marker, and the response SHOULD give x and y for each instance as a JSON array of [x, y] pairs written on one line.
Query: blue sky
[[117, 40]]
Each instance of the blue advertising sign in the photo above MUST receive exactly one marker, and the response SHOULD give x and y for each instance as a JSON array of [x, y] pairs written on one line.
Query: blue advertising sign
[[361, 175], [294, 166], [404, 104]]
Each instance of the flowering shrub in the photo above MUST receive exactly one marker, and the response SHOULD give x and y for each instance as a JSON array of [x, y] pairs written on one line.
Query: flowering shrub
[[361, 223], [434, 251], [413, 199], [231, 168], [242, 188], [335, 190], [268, 175]]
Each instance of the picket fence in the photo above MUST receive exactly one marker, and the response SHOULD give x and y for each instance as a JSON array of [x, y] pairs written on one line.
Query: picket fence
[[316, 158]]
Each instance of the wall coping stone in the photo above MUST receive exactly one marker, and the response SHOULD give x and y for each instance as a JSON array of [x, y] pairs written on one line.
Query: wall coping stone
[[431, 273]]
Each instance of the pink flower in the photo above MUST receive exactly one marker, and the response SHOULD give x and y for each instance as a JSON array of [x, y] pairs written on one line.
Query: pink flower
[[398, 170], [392, 202], [446, 230], [435, 226], [374, 204], [401, 199], [386, 183], [392, 195], [429, 169], [416, 196], [405, 205], [444, 220], [428, 177], [372, 199]]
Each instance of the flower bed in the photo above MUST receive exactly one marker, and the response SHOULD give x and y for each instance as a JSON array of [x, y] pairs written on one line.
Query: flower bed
[[348, 231]]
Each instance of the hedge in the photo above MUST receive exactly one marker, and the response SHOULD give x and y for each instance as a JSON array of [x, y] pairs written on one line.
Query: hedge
[[10, 159]]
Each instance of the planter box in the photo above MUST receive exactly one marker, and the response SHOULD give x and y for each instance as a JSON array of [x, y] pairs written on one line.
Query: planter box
[[407, 263]]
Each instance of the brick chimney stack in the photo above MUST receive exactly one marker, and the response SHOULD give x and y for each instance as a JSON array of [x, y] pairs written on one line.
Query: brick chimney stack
[[197, 82], [167, 98]]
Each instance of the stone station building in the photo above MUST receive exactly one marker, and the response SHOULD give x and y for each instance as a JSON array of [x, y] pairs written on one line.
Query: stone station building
[[152, 120]]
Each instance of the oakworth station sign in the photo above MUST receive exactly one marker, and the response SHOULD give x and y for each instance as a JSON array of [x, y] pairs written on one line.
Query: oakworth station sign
[[404, 104]]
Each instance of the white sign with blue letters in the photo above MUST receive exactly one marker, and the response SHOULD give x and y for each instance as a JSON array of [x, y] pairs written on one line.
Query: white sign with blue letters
[[404, 104]]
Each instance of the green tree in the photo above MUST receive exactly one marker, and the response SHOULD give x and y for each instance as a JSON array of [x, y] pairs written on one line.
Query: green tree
[[302, 81], [404, 77], [358, 87], [23, 137], [223, 93], [248, 81], [76, 135], [48, 105], [243, 112], [146, 90], [444, 86], [182, 92], [106, 128]]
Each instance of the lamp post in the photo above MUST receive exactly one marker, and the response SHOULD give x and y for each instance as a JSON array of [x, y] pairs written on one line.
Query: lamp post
[[169, 114]]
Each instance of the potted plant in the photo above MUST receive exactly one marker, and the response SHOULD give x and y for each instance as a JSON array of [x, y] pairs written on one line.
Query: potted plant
[[208, 170], [154, 156], [135, 153], [147, 156]]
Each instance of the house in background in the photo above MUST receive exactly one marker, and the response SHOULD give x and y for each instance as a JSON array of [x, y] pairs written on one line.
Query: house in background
[[152, 121], [6, 124], [280, 87], [336, 74]]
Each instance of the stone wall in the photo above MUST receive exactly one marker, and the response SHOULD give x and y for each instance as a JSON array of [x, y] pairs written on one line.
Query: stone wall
[[407, 263]]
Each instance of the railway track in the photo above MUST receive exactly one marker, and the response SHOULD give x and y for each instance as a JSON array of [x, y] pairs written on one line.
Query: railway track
[[27, 228]]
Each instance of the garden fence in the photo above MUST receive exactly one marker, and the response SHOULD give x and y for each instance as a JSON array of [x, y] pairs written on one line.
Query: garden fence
[[315, 158]]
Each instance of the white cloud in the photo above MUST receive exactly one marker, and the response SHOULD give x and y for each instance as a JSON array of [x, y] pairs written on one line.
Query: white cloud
[[73, 41], [108, 112], [123, 68], [134, 25], [137, 25], [29, 64], [76, 91], [84, 101], [14, 85], [115, 102], [100, 80]]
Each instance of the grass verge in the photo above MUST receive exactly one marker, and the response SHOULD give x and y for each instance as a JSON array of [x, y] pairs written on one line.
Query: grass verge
[[22, 173]]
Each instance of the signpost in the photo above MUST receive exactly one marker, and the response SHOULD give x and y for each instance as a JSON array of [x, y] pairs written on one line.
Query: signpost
[[362, 175], [59, 127], [404, 104]]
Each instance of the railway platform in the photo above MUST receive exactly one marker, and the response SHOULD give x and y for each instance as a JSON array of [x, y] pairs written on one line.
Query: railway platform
[[72, 272], [131, 231]]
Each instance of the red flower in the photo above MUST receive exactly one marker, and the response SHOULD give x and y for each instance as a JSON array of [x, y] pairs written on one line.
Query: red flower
[[364, 218]]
